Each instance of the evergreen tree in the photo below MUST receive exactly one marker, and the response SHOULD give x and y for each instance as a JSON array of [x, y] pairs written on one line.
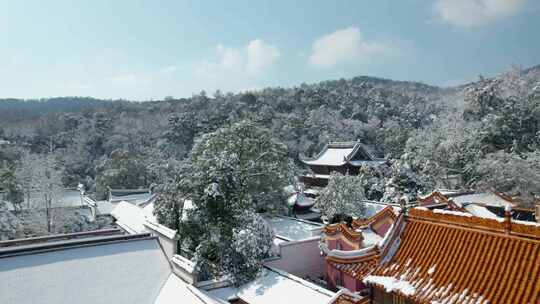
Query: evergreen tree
[[233, 173], [343, 195]]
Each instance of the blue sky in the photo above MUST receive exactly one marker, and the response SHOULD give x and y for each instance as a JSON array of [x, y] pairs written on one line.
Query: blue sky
[[150, 49]]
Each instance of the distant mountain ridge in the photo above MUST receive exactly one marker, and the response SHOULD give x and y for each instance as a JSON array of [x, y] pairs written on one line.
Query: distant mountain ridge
[[18, 110]]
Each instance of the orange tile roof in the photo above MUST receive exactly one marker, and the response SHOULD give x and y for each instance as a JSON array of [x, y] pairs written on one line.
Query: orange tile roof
[[357, 269], [449, 258]]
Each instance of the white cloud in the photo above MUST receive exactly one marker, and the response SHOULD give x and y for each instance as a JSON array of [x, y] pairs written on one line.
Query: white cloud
[[475, 13], [229, 57], [253, 58], [346, 46], [260, 55]]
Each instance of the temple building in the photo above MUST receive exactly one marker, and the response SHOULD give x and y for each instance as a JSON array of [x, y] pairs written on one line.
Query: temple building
[[340, 157], [437, 256], [351, 251], [452, 257], [488, 204]]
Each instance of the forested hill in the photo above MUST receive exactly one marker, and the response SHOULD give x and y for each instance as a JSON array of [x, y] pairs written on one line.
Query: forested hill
[[13, 110], [440, 131]]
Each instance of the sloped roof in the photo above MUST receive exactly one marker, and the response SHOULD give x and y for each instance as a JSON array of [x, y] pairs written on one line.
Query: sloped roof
[[340, 153], [130, 217], [489, 198], [114, 269], [176, 291], [462, 259], [275, 286], [134, 219], [294, 229]]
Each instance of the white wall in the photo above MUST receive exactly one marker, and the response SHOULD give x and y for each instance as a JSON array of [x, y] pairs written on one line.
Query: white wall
[[169, 245], [301, 258]]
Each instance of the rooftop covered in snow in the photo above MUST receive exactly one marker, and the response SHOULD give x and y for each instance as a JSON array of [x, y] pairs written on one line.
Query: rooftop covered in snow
[[107, 269], [292, 229], [274, 286], [340, 153]]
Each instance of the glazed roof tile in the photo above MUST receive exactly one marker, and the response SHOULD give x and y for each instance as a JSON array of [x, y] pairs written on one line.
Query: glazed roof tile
[[448, 258]]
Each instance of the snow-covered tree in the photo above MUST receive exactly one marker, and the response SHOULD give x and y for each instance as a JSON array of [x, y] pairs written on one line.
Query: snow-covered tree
[[42, 180], [169, 204], [232, 174], [12, 190], [238, 256], [120, 170], [517, 175], [10, 225], [344, 195], [403, 183]]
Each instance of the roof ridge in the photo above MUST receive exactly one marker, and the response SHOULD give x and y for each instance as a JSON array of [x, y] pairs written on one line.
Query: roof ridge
[[340, 144], [59, 237], [498, 226], [71, 244]]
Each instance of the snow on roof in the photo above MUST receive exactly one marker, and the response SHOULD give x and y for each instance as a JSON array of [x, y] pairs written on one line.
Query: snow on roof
[[340, 153], [127, 271], [345, 254], [480, 211], [485, 198], [332, 156], [152, 225], [177, 291], [136, 198], [223, 295], [458, 213], [274, 286], [149, 210], [372, 208], [370, 237], [301, 200], [293, 229], [391, 284], [369, 163], [105, 207], [130, 217]]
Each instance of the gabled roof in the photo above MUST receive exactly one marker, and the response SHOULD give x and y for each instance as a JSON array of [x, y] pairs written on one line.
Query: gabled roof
[[340, 153], [446, 257]]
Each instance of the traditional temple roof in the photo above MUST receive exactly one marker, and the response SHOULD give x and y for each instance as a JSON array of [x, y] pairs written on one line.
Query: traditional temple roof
[[384, 211], [488, 198], [453, 257], [340, 153]]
